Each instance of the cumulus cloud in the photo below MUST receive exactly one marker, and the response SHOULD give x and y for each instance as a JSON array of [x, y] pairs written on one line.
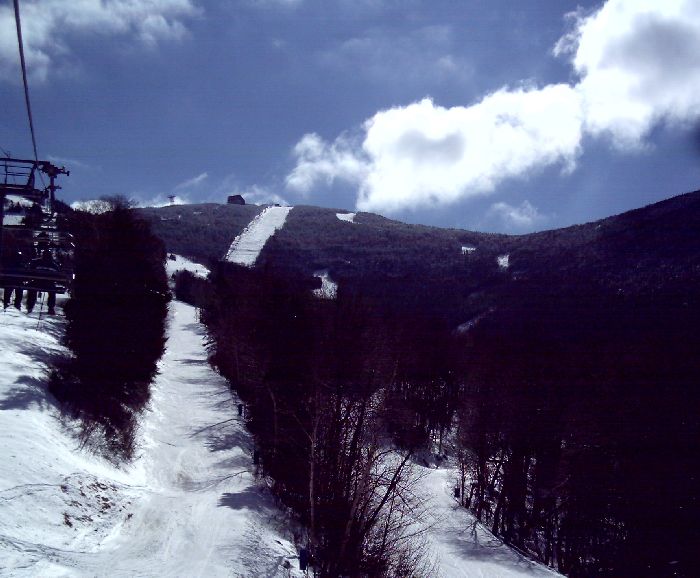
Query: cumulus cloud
[[638, 65], [318, 160], [523, 217], [47, 24], [424, 154], [635, 64]]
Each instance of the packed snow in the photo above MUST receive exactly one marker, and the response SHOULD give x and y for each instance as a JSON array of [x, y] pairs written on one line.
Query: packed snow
[[189, 504], [180, 263], [462, 547], [246, 248], [503, 261], [349, 217], [12, 219], [328, 288]]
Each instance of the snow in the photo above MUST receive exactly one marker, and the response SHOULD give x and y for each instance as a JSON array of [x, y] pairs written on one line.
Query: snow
[[183, 264], [462, 547], [467, 249], [187, 506], [12, 219], [328, 289], [247, 246], [349, 217], [503, 261]]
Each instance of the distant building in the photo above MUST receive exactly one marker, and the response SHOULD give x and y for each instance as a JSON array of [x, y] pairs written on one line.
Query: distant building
[[236, 200]]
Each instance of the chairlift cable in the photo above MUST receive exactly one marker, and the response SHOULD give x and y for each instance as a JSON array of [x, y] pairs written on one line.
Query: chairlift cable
[[18, 22]]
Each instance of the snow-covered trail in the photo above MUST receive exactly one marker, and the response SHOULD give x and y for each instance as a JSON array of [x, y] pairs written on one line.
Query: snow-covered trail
[[463, 548], [201, 514], [247, 246], [187, 507]]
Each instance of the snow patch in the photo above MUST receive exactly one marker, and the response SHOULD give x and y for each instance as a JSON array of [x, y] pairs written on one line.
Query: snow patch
[[246, 248], [349, 217], [463, 548], [466, 249], [503, 261], [180, 263], [469, 325], [94, 206], [328, 289]]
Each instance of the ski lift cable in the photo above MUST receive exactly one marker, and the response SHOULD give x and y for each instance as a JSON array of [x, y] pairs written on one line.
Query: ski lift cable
[[18, 22]]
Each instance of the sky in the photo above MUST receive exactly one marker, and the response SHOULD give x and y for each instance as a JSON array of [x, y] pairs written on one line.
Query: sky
[[489, 115]]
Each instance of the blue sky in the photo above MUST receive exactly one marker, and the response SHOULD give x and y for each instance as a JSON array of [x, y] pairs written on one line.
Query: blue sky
[[488, 115]]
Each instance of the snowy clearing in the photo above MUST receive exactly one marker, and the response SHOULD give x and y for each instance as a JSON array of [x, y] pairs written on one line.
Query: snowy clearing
[[247, 246], [462, 547], [181, 263], [328, 288], [9, 220], [466, 250], [349, 217], [503, 261], [188, 505]]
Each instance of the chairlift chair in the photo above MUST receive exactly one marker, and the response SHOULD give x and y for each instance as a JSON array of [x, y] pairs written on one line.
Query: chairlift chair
[[29, 230]]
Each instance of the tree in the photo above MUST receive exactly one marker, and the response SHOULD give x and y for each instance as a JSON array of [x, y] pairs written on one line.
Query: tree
[[116, 325]]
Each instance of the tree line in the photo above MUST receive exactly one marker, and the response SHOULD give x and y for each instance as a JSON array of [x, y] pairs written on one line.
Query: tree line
[[571, 411], [115, 326]]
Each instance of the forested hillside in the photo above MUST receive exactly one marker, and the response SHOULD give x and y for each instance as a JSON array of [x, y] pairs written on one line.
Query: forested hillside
[[201, 232], [559, 368]]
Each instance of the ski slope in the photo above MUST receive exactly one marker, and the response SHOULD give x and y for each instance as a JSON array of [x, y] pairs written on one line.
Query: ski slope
[[188, 506], [246, 248], [180, 263], [460, 546]]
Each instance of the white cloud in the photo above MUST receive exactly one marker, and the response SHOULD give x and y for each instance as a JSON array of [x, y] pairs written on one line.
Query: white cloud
[[523, 217], [319, 161], [193, 182], [256, 195], [424, 154], [47, 24], [637, 66], [423, 56]]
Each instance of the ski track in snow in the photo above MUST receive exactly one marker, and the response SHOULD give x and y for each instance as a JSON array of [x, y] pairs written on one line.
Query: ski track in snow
[[461, 548], [188, 506], [181, 263], [246, 248]]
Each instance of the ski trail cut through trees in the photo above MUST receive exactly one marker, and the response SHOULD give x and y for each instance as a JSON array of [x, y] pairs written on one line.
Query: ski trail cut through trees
[[247, 246], [189, 505]]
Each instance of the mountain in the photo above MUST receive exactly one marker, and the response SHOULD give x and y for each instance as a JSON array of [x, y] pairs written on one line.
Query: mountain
[[645, 251], [563, 365]]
